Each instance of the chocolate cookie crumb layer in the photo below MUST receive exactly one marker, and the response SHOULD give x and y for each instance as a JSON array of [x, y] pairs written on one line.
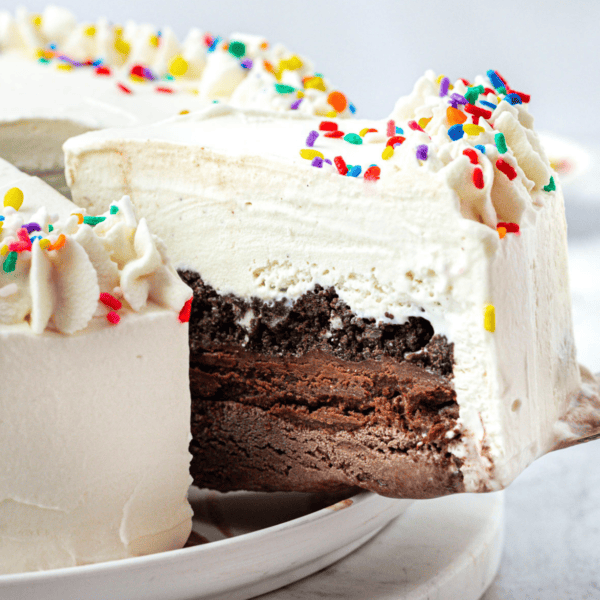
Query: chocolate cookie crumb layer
[[309, 397]]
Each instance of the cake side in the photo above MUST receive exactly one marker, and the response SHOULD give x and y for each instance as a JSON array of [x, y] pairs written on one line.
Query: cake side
[[95, 454], [441, 207]]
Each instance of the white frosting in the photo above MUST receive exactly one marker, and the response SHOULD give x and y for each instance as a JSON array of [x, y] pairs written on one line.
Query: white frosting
[[234, 200], [42, 104], [94, 417]]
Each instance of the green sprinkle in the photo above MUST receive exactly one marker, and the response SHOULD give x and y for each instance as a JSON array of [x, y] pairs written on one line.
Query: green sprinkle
[[551, 185], [281, 88], [473, 93], [500, 143], [353, 138], [114, 210], [10, 262], [50, 228], [237, 49], [93, 221], [501, 90], [43, 60]]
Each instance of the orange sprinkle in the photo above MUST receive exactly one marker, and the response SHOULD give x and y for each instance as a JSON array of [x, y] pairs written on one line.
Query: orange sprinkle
[[423, 121], [269, 67], [455, 116], [501, 231], [59, 243], [264, 45], [79, 217], [338, 101]]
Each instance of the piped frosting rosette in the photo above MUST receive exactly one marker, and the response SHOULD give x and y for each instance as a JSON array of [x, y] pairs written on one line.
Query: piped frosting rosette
[[62, 273]]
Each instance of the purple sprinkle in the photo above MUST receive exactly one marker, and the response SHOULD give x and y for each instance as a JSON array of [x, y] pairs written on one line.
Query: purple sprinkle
[[312, 136], [422, 152], [444, 85], [296, 104], [32, 227], [328, 161], [247, 63], [397, 144], [459, 99], [148, 74], [317, 162]]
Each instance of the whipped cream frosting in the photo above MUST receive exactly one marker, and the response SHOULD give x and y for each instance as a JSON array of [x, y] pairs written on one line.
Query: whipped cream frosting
[[95, 402], [61, 78], [447, 210]]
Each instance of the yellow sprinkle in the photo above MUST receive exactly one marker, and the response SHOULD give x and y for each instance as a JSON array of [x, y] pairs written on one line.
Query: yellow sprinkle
[[4, 250], [363, 132], [121, 46], [299, 94], [90, 31], [387, 153], [184, 112], [64, 67], [153, 41], [315, 83], [423, 122], [291, 64], [178, 66], [40, 53], [1, 226], [14, 198], [79, 217], [331, 114], [439, 79], [501, 231], [489, 318], [37, 20], [471, 129], [310, 153], [44, 243], [137, 79]]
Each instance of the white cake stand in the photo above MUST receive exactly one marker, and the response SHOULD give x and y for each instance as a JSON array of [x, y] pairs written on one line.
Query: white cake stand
[[444, 549]]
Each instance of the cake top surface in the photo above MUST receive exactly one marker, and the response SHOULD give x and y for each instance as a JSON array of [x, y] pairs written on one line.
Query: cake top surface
[[477, 139], [61, 268], [110, 67]]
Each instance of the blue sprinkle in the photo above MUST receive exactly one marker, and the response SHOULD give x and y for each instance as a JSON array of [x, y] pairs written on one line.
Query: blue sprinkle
[[496, 81], [488, 104], [1, 218], [52, 46], [317, 162], [352, 108], [354, 171], [399, 130], [214, 44], [36, 237], [318, 75], [513, 99], [97, 62], [480, 148], [456, 132]]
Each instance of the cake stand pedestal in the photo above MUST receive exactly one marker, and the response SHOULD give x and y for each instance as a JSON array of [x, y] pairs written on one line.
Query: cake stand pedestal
[[443, 549]]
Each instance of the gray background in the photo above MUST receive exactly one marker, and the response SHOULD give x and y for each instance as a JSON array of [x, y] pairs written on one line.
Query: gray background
[[374, 52]]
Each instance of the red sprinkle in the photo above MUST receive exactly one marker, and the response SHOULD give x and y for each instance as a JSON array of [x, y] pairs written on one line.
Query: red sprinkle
[[415, 126], [391, 128], [101, 70], [372, 173], [328, 126], [113, 318], [138, 71], [503, 166], [208, 39], [510, 227], [334, 134], [123, 88], [110, 301], [24, 243], [472, 154], [186, 311], [466, 82], [396, 139], [487, 91], [478, 178], [477, 111], [340, 164], [165, 90]]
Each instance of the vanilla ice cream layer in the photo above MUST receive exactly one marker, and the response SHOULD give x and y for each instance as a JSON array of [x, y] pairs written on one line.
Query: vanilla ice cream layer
[[239, 197], [139, 75], [94, 416]]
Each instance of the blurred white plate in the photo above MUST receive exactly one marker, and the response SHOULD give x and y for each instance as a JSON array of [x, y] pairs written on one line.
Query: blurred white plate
[[263, 542]]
